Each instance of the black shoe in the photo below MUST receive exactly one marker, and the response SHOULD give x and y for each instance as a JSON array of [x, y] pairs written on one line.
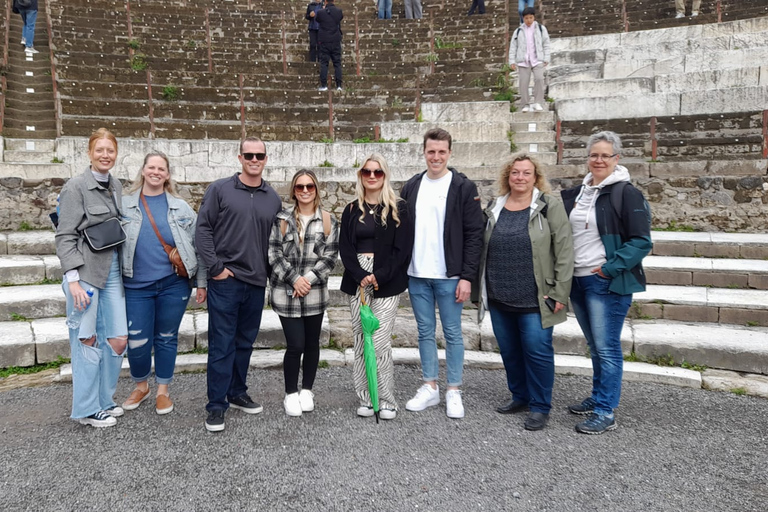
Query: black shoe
[[215, 421], [245, 404], [596, 424], [512, 407], [536, 421], [587, 406]]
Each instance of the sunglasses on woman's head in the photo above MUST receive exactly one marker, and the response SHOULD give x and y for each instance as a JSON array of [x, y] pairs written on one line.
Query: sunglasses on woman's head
[[257, 156], [371, 172], [310, 187]]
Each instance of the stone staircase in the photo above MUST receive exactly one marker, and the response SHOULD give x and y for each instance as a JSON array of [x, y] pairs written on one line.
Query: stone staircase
[[706, 304]]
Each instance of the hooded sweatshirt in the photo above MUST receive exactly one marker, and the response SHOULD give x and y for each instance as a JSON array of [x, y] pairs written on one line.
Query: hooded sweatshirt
[[588, 248]]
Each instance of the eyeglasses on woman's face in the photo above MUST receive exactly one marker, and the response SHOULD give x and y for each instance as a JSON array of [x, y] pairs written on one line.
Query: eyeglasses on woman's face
[[595, 157], [309, 187], [365, 172]]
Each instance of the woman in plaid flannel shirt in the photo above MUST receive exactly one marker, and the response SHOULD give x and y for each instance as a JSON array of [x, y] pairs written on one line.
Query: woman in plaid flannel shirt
[[303, 248]]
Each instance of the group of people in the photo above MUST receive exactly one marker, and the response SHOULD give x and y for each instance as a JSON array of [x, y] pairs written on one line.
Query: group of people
[[521, 259]]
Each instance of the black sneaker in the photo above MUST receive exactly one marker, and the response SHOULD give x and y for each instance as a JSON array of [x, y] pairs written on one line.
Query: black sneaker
[[245, 404], [587, 406], [99, 419], [536, 421], [215, 421], [596, 424]]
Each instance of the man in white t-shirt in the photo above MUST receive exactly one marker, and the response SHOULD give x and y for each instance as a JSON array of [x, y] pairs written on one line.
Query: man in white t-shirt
[[446, 255]]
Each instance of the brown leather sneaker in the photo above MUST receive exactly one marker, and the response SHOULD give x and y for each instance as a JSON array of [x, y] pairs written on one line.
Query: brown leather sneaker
[[163, 404], [135, 398]]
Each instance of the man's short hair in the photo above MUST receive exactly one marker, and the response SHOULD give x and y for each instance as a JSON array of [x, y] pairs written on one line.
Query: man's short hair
[[437, 134], [529, 10], [251, 139]]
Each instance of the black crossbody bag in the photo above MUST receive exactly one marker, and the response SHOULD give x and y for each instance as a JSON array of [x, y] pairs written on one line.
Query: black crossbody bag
[[107, 234]]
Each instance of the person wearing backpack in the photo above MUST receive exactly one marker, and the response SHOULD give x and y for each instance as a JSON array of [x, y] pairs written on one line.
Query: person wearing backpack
[[303, 248], [611, 223], [28, 11], [529, 54], [526, 267]]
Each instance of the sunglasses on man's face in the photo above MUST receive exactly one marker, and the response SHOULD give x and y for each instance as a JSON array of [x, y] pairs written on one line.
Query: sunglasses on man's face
[[257, 156], [310, 187], [371, 172]]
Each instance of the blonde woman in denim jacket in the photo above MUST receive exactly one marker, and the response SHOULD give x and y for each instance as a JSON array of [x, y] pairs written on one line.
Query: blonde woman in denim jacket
[[98, 344], [156, 297]]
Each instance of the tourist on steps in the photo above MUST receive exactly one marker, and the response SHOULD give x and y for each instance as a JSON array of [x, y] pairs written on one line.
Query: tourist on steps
[[88, 244], [303, 248], [680, 8], [313, 28], [329, 38], [28, 11], [375, 246], [611, 223], [525, 277], [156, 296], [529, 54]]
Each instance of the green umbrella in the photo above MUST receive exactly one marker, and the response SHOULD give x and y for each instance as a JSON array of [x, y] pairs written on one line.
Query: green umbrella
[[370, 323]]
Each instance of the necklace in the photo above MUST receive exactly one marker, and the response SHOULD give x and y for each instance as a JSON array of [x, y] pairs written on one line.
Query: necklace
[[371, 208]]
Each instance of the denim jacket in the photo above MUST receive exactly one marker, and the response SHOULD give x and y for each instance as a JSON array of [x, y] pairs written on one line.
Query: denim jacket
[[181, 218]]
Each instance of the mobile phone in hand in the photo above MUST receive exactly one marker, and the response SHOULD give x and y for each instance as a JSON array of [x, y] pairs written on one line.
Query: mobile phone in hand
[[550, 302]]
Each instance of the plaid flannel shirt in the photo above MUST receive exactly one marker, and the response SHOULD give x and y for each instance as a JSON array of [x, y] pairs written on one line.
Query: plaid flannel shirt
[[315, 263]]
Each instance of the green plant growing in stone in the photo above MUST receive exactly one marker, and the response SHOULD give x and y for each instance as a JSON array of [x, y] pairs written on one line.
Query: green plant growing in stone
[[439, 44], [419, 117], [395, 43], [691, 366], [25, 226], [633, 358], [666, 360], [198, 350], [191, 44], [739, 391], [326, 140], [397, 102], [478, 82], [134, 44], [637, 312], [511, 138], [549, 100], [674, 226], [26, 370], [326, 164], [356, 163], [48, 280], [323, 364], [57, 160], [170, 93], [431, 57], [19, 318], [752, 323], [139, 62]]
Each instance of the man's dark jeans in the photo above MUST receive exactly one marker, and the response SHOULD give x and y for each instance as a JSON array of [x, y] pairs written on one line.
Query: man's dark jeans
[[330, 51], [234, 317]]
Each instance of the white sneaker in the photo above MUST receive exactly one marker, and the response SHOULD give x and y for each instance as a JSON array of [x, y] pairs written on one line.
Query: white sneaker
[[98, 419], [453, 406], [306, 399], [425, 397], [24, 41], [387, 414], [366, 411], [322, 89], [527, 108], [680, 15], [30, 50], [694, 13], [339, 89], [292, 405], [537, 107], [115, 411]]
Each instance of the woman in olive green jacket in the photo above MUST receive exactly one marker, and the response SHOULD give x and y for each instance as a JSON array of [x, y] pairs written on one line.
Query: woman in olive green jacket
[[525, 279]]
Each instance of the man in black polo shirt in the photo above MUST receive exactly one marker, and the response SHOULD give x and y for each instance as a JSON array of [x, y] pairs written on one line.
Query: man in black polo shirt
[[329, 40]]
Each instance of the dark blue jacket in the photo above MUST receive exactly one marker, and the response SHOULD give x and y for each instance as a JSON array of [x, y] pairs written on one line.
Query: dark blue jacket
[[31, 7], [329, 20], [313, 7], [626, 237]]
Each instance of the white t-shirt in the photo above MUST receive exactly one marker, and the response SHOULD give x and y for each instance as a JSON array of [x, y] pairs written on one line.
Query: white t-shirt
[[588, 248], [428, 260], [303, 222]]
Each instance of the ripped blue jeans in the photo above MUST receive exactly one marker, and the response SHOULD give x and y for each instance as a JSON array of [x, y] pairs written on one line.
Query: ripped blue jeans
[[95, 369], [154, 315]]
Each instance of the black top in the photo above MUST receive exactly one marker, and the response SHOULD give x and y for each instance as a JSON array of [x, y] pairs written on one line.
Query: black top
[[329, 20], [509, 264], [392, 246], [365, 231]]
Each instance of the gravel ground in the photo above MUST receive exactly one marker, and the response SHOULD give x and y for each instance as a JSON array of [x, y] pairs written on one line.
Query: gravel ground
[[675, 449]]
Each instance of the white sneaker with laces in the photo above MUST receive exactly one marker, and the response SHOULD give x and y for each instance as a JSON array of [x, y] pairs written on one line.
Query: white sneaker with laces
[[537, 107], [339, 89], [366, 411], [694, 13], [387, 414], [322, 89], [453, 406], [425, 397], [115, 411], [680, 15], [527, 108], [24, 41], [98, 419], [292, 404], [30, 50], [306, 399]]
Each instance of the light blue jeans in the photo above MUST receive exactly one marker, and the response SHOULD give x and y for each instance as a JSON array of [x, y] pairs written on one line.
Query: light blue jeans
[[95, 369], [385, 9], [424, 294], [29, 18], [521, 5], [601, 315]]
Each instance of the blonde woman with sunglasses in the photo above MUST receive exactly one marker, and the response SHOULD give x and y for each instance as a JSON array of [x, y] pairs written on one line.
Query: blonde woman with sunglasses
[[303, 248], [375, 246]]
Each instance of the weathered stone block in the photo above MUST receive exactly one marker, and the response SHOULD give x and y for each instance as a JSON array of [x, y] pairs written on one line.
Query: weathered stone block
[[758, 281], [17, 347], [721, 279], [754, 252], [690, 313], [717, 250], [51, 339], [749, 317], [675, 277], [661, 248]]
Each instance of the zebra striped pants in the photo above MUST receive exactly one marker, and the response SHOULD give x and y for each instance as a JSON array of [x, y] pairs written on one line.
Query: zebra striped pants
[[385, 310]]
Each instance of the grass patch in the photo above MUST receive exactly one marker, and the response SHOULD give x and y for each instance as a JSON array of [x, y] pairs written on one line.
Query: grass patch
[[395, 43], [368, 140], [25, 226], [633, 358], [326, 164], [432, 57], [134, 44], [323, 364], [25, 370], [752, 323], [170, 93], [666, 360], [440, 43], [48, 280], [636, 312], [326, 140], [191, 44], [139, 62], [691, 366], [198, 350], [674, 226], [739, 391], [511, 139], [19, 318], [57, 160]]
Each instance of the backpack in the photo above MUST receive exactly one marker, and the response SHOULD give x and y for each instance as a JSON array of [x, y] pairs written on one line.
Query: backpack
[[326, 224], [541, 31]]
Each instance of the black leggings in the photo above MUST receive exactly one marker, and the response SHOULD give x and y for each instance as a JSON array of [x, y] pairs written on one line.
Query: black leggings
[[302, 336]]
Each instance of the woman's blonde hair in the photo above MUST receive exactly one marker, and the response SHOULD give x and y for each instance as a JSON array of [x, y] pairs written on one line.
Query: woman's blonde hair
[[138, 181], [315, 203], [388, 199], [541, 182]]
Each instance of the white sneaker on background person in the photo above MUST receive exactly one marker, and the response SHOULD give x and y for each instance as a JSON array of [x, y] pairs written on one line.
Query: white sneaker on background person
[[425, 397]]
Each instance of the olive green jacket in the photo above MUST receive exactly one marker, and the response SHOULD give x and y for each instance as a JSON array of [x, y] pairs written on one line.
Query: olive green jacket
[[552, 248]]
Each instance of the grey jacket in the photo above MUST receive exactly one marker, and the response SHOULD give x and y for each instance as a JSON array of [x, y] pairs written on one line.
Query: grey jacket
[[181, 218], [83, 203], [552, 246], [518, 44]]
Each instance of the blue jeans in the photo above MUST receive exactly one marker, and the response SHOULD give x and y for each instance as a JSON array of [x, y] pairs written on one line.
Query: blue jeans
[[424, 294], [154, 315], [95, 369], [528, 355], [385, 9], [234, 318], [601, 315], [29, 17], [521, 5]]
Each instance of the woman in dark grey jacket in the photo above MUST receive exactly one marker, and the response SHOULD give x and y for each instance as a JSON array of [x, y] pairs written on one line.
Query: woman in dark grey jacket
[[92, 282]]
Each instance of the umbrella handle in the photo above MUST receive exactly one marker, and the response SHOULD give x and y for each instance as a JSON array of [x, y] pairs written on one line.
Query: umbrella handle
[[362, 295]]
